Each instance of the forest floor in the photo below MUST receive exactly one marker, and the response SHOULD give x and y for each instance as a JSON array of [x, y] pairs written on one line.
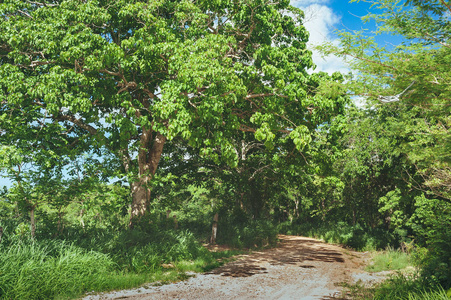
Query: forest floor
[[298, 268]]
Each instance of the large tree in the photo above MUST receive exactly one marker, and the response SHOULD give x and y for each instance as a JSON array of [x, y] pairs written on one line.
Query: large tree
[[128, 76]]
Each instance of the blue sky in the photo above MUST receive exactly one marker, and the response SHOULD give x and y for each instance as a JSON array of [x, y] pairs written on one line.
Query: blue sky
[[323, 18]]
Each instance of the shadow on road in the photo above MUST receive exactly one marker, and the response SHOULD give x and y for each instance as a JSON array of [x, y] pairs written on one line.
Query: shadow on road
[[290, 251]]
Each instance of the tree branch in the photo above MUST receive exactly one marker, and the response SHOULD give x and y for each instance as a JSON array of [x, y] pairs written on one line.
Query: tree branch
[[78, 122], [259, 170], [42, 4], [447, 5], [25, 14]]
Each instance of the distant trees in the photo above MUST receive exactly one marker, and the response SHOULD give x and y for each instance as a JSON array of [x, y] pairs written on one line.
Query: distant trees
[[422, 116], [406, 142]]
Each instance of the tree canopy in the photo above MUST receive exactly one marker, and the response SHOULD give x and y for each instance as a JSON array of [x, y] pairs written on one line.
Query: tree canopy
[[126, 77]]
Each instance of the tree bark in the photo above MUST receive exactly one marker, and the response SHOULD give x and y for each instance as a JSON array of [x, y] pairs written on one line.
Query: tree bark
[[148, 158], [32, 223], [60, 222], [82, 222], [214, 229], [296, 207]]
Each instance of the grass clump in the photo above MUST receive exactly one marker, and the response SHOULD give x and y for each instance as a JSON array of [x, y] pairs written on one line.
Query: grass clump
[[398, 287], [440, 294], [389, 259]]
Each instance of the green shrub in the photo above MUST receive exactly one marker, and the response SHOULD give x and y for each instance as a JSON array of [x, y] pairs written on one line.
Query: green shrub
[[432, 224]]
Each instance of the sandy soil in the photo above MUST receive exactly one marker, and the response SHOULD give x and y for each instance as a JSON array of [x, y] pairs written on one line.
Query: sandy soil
[[299, 268]]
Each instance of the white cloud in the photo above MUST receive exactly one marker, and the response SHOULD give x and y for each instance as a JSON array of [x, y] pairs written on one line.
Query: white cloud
[[304, 3], [320, 21]]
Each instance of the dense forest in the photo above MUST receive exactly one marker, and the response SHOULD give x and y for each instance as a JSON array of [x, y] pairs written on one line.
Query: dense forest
[[135, 131]]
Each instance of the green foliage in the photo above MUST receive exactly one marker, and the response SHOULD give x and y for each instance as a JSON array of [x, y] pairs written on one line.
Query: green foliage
[[94, 89], [432, 222], [428, 295], [166, 246], [420, 118], [121, 79], [401, 153], [242, 233]]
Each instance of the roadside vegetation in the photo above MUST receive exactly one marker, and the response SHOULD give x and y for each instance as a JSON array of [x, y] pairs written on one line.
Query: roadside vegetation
[[400, 287], [134, 133], [388, 260], [72, 264]]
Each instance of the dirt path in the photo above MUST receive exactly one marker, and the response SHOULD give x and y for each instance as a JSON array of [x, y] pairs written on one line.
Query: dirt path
[[299, 268]]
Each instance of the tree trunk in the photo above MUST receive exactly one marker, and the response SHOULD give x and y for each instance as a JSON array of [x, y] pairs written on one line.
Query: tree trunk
[[176, 224], [82, 222], [296, 207], [140, 197], [148, 158], [32, 222], [214, 229], [60, 222]]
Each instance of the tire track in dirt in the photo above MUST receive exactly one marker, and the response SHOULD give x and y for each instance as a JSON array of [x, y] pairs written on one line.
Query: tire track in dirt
[[298, 268]]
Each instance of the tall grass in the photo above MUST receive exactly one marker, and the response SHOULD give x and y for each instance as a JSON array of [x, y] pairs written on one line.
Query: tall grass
[[389, 259], [440, 294], [98, 260], [32, 270], [408, 288], [398, 287]]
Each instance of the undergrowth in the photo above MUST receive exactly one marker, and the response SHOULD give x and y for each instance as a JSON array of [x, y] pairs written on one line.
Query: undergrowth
[[99, 260], [398, 287], [389, 259], [358, 237], [246, 234], [48, 269]]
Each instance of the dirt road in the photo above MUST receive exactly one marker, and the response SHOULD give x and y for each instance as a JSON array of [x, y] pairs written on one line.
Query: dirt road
[[299, 268]]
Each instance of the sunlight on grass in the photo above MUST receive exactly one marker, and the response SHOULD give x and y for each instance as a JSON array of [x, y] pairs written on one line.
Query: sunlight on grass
[[389, 260], [50, 269], [428, 295]]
